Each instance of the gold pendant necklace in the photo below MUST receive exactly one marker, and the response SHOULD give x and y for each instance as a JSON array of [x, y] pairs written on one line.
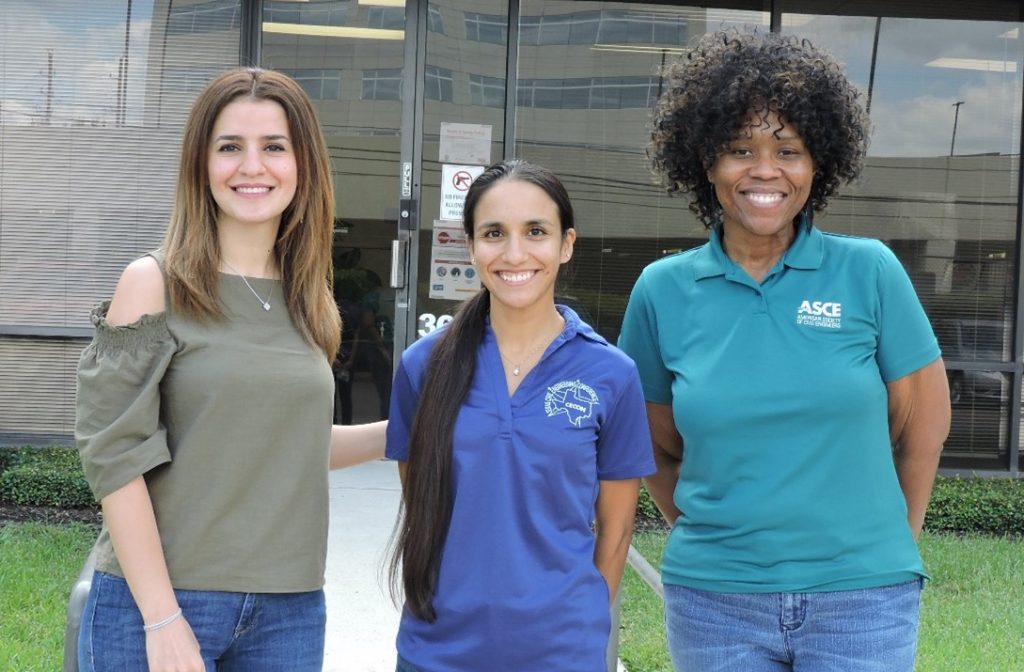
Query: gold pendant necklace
[[525, 357]]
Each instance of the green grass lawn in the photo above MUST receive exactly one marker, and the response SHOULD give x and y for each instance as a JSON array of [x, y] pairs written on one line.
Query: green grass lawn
[[972, 612], [38, 565], [972, 615]]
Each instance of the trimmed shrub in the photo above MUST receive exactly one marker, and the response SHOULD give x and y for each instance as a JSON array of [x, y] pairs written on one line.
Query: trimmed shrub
[[992, 506], [7, 456], [977, 505], [49, 476], [52, 476], [645, 507]]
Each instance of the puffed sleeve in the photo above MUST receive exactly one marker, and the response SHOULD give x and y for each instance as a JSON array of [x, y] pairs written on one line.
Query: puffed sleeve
[[117, 427]]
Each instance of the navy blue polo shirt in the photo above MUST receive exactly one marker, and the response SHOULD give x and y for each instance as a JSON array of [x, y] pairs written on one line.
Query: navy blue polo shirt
[[778, 389], [518, 589]]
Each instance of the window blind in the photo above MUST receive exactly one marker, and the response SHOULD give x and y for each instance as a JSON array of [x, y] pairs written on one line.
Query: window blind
[[93, 97]]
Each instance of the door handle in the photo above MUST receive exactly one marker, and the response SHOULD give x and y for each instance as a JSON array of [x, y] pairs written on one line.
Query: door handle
[[398, 250]]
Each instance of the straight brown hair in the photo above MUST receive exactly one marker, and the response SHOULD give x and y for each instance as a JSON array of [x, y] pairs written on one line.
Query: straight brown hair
[[305, 236]]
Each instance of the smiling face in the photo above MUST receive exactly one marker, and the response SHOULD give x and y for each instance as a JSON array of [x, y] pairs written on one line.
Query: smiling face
[[518, 245], [763, 179], [251, 163]]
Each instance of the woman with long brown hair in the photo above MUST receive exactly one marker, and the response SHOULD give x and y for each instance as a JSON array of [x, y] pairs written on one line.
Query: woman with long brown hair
[[205, 404], [517, 426]]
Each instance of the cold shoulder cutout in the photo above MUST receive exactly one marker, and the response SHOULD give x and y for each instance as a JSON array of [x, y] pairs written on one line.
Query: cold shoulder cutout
[[141, 290]]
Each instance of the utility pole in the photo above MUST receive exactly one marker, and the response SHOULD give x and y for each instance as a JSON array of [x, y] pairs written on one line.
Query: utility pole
[[874, 60], [48, 112], [121, 115], [956, 117]]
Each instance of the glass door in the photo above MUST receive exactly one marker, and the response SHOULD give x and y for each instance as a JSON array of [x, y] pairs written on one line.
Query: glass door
[[589, 74], [463, 128], [585, 75], [349, 57]]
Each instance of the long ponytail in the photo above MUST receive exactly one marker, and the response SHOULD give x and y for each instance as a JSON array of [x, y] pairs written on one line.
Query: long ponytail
[[427, 493]]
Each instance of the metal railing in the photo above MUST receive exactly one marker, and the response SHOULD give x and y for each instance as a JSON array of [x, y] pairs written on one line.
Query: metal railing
[[76, 604], [649, 574]]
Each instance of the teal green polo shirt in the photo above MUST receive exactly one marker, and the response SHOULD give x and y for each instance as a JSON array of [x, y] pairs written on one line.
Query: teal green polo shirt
[[778, 389]]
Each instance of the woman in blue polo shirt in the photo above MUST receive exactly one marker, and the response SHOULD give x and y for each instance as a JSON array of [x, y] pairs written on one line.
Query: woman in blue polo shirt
[[517, 427], [797, 400]]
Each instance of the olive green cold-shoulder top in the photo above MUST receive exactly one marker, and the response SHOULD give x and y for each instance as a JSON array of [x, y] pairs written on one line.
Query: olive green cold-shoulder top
[[230, 423]]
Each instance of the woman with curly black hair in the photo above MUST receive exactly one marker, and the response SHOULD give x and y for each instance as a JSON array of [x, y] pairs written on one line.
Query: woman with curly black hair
[[795, 370]]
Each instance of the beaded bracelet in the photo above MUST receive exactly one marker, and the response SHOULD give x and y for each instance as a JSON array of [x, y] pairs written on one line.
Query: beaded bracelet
[[164, 623]]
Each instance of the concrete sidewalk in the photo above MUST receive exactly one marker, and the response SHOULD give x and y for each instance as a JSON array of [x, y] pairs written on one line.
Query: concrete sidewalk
[[361, 619]]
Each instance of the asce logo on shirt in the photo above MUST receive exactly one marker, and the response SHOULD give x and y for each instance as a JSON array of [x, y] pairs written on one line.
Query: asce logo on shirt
[[573, 398], [827, 314]]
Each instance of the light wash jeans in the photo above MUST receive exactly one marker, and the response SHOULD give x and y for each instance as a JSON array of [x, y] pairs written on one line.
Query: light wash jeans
[[237, 632], [870, 630]]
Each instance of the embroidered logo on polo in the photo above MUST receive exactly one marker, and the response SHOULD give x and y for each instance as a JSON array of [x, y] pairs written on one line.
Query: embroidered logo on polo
[[825, 314], [573, 398]]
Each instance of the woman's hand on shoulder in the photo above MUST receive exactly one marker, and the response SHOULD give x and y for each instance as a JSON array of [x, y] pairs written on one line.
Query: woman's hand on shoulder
[[174, 649], [140, 291]]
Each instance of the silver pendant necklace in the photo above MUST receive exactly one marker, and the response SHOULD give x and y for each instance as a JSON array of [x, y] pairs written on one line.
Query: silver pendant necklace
[[263, 302]]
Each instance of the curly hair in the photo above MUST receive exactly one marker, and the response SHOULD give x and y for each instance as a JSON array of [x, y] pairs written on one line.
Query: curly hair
[[728, 76]]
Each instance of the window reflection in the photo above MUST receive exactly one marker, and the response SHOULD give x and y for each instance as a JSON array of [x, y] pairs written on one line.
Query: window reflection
[[312, 14], [940, 184], [486, 91], [83, 91], [204, 17], [92, 101], [435, 20], [584, 111], [614, 26], [439, 84], [940, 188], [382, 84], [318, 84], [357, 97], [464, 82], [486, 27], [583, 93], [390, 18]]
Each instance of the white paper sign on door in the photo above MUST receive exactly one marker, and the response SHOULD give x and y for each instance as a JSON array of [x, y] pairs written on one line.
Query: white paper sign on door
[[452, 276], [465, 143]]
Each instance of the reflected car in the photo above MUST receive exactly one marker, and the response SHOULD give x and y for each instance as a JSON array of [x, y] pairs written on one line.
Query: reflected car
[[973, 340]]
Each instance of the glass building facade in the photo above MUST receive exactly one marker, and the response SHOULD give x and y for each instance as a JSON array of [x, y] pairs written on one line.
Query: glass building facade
[[93, 97]]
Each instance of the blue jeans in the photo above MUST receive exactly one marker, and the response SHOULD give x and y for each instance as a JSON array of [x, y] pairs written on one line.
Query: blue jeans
[[237, 632], [870, 630]]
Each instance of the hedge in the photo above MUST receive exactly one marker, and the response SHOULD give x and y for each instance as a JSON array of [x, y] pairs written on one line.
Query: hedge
[[43, 477], [53, 476], [977, 505], [991, 506], [645, 507]]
